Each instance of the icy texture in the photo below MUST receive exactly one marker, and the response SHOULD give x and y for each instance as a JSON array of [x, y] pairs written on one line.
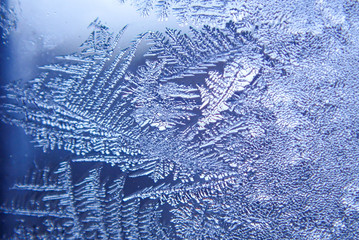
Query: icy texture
[[303, 16], [88, 209], [8, 21], [245, 131]]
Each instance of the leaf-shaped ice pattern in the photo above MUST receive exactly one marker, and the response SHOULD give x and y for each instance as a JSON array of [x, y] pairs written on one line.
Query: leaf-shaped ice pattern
[[220, 88], [90, 208], [76, 105], [248, 130], [158, 104], [186, 56]]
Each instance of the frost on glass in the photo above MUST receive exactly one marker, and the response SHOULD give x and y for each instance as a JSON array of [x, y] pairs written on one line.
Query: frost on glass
[[243, 128], [8, 21]]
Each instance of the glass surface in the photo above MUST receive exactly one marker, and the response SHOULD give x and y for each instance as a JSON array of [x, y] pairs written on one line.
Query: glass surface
[[169, 119]]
